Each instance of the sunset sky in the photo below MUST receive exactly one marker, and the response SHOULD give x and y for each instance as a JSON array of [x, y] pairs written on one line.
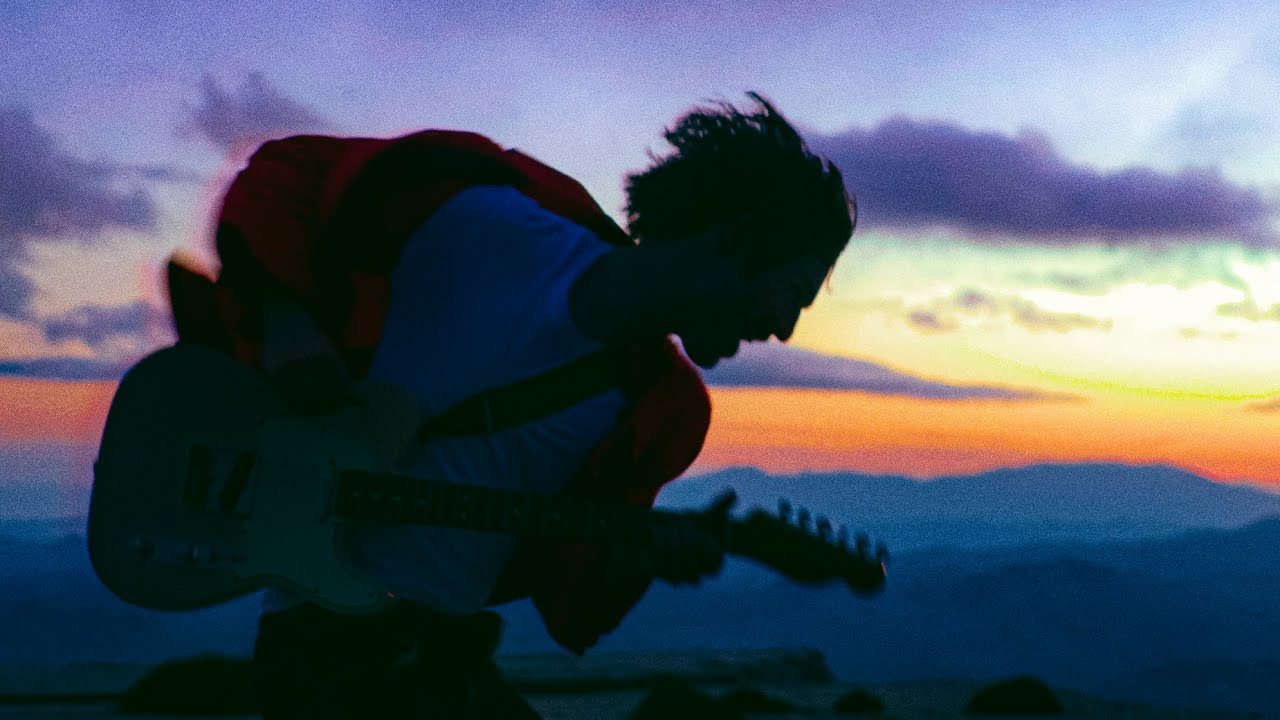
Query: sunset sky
[[1068, 246]]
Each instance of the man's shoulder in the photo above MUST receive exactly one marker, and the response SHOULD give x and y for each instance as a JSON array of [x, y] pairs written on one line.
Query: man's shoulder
[[497, 211], [494, 201]]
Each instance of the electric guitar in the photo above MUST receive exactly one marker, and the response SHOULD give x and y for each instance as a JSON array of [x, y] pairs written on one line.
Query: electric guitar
[[206, 488]]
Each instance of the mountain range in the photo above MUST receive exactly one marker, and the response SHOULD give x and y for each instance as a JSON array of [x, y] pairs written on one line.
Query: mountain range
[[1138, 583], [1085, 502]]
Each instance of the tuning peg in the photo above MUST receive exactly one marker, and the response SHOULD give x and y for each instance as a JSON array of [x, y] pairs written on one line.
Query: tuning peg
[[882, 552], [824, 528], [784, 509], [864, 543], [802, 518]]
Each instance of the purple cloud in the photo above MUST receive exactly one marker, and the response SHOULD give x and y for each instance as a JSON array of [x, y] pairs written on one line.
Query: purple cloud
[[96, 325], [915, 174], [929, 321], [781, 366], [238, 121], [1035, 318], [119, 334], [942, 316], [65, 368], [47, 195]]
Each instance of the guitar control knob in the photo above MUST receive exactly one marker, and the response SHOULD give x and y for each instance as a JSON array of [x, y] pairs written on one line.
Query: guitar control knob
[[142, 547]]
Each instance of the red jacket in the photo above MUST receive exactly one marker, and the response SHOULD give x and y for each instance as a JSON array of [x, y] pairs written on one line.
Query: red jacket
[[325, 218]]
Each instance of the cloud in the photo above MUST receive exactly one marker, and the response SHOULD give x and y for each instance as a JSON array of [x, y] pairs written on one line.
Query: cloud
[[118, 335], [944, 314], [1249, 310], [1270, 405], [929, 321], [65, 368], [1035, 318], [46, 194], [240, 120], [1208, 131], [780, 366], [916, 174], [97, 325]]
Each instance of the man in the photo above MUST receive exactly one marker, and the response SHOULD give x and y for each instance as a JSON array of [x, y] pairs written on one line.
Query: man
[[459, 271]]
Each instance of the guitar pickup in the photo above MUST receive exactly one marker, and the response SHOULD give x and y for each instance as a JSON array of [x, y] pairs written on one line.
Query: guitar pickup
[[219, 480]]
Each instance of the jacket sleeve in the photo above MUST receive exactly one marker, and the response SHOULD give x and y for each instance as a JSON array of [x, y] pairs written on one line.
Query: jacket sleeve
[[656, 442]]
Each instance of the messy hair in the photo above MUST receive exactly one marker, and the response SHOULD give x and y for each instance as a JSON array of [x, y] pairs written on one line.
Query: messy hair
[[729, 164]]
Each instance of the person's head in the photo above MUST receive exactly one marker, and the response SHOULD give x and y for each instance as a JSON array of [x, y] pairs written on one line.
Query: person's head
[[729, 164], [750, 179]]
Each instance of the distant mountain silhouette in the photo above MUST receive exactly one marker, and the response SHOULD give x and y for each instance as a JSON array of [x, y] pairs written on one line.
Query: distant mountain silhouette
[[1088, 502]]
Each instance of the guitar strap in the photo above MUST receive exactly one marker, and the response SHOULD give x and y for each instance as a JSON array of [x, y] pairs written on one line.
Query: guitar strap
[[531, 398]]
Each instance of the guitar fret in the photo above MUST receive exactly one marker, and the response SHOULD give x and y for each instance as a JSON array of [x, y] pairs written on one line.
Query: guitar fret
[[496, 518], [439, 505], [466, 507], [428, 494], [519, 513], [577, 519], [420, 502], [448, 504], [486, 504], [403, 499], [391, 491]]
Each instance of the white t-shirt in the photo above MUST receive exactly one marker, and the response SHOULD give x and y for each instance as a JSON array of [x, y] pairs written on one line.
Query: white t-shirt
[[479, 300]]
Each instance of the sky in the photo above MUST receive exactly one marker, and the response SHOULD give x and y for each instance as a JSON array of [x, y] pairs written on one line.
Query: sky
[[1069, 212]]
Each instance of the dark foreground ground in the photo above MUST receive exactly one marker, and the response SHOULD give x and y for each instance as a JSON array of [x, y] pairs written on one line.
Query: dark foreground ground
[[606, 687]]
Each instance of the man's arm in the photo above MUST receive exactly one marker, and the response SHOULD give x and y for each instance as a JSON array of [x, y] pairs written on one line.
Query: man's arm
[[302, 362]]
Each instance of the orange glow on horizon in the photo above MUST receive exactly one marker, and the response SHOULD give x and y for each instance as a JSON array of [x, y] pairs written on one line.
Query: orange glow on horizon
[[53, 411], [790, 431]]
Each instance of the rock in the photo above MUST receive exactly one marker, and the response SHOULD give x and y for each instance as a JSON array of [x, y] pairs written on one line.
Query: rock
[[858, 702], [675, 699], [1016, 696], [203, 685], [748, 700]]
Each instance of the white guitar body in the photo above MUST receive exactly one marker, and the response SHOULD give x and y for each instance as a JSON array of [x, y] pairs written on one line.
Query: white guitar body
[[293, 538], [165, 529]]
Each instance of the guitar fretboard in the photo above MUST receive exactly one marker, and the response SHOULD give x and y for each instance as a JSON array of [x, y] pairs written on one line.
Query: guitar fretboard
[[391, 498], [388, 498]]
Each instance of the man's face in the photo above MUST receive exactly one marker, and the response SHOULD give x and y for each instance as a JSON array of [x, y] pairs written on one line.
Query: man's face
[[769, 306]]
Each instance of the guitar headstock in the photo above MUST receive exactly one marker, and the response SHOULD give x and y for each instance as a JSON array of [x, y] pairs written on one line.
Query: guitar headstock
[[808, 550]]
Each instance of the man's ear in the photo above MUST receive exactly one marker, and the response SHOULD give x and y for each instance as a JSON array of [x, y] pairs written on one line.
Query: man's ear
[[733, 239]]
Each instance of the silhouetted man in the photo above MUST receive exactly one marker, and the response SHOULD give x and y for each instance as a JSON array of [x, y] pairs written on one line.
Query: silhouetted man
[[460, 270]]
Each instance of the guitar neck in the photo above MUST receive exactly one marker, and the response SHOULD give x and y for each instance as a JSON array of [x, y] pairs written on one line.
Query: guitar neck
[[392, 498], [791, 550]]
